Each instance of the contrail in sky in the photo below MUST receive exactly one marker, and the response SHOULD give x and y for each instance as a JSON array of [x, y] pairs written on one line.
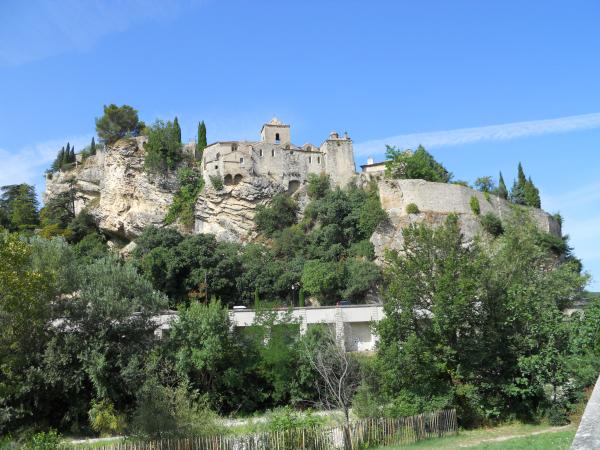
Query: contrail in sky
[[488, 133]]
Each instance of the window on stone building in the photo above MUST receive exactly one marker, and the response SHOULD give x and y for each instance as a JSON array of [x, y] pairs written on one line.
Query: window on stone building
[[241, 160], [318, 160], [273, 152], [233, 147], [260, 152], [309, 159], [277, 140], [216, 167]]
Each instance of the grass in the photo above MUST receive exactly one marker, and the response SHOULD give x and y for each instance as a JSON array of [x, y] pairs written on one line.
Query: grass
[[509, 437]]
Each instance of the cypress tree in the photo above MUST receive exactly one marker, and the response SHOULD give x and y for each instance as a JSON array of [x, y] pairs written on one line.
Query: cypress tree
[[177, 129], [301, 298], [502, 191], [532, 194], [517, 193], [72, 155], [201, 145], [93, 147]]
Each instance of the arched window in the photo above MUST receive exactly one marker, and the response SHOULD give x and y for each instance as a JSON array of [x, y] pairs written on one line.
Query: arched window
[[237, 179], [277, 140], [228, 180]]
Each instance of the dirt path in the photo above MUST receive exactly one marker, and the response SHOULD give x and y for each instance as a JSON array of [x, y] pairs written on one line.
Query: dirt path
[[516, 436]]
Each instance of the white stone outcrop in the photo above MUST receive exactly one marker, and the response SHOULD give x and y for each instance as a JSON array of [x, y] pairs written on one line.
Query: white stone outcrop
[[229, 213], [113, 186], [436, 201]]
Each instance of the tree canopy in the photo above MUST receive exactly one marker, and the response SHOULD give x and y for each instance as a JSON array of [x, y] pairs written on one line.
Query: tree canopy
[[419, 164], [118, 122]]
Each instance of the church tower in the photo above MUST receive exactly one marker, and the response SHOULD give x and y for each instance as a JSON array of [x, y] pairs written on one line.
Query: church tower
[[275, 132]]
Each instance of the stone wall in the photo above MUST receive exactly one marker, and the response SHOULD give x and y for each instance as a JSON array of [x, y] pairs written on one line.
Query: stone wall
[[435, 202]]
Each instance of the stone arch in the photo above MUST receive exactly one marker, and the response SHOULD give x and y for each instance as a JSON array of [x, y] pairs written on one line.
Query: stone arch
[[238, 177], [228, 180], [293, 186]]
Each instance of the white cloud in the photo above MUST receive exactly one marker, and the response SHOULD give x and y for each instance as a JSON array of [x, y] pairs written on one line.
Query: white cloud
[[38, 29], [487, 133]]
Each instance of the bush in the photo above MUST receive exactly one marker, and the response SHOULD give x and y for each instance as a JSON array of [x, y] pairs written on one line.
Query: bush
[[558, 415], [318, 185], [474, 203], [492, 224], [279, 215], [216, 181], [184, 200], [283, 419], [43, 441], [412, 208], [104, 419], [171, 412]]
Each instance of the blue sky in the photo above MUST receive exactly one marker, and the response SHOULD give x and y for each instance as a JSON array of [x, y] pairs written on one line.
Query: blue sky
[[477, 82]]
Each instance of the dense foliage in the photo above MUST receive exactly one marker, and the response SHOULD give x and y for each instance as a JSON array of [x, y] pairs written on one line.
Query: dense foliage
[[65, 158], [118, 122], [18, 207], [477, 327], [163, 149], [415, 165], [184, 200]]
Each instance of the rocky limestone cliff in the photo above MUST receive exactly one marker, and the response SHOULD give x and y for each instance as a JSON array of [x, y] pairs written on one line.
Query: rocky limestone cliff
[[116, 190], [229, 212], [124, 199], [435, 202]]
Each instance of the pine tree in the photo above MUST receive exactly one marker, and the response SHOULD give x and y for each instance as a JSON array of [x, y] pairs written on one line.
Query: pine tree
[[502, 191], [21, 206], [177, 129], [201, 145], [93, 147]]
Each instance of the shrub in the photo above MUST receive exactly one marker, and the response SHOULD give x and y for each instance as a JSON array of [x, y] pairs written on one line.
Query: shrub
[[474, 203], [43, 441], [412, 208], [318, 185], [184, 200], [461, 183], [279, 215], [283, 419], [216, 181], [104, 419], [492, 224], [558, 415]]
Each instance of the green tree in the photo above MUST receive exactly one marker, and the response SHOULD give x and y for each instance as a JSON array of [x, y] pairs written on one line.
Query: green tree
[[204, 352], [25, 309], [318, 185], [502, 191], [184, 200], [93, 147], [455, 312], [118, 122], [419, 164], [281, 213], [201, 144], [532, 194], [323, 279], [163, 149], [20, 205], [177, 129], [485, 184]]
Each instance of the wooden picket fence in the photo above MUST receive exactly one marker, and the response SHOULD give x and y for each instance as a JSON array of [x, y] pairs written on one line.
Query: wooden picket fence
[[361, 434]]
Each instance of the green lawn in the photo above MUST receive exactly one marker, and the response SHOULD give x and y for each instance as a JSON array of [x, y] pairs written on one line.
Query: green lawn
[[548, 439]]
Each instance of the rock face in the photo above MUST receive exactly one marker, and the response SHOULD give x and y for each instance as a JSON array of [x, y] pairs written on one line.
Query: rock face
[[229, 213], [435, 202], [124, 199], [116, 190]]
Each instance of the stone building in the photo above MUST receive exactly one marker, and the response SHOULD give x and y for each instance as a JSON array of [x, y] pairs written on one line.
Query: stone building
[[276, 158]]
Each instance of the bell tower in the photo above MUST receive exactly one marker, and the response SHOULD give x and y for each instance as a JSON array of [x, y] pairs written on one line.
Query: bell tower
[[275, 132]]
